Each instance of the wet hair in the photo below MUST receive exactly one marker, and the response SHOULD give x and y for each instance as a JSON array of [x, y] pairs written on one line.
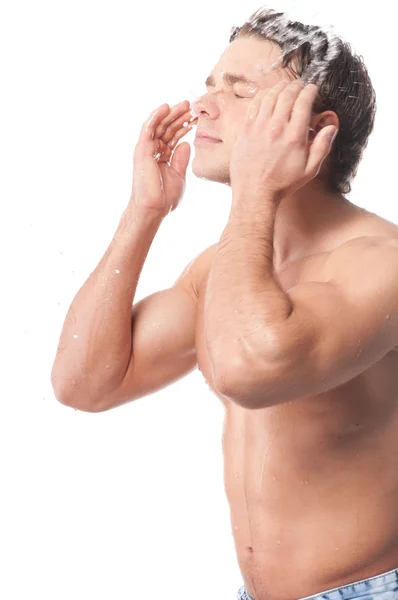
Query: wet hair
[[321, 57]]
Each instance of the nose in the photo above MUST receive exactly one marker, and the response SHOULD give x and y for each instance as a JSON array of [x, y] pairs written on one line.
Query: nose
[[207, 104]]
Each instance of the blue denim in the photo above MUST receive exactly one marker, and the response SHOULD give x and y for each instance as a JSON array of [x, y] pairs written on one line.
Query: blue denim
[[380, 587]]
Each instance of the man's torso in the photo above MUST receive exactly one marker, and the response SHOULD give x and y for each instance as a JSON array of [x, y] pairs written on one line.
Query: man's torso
[[312, 484]]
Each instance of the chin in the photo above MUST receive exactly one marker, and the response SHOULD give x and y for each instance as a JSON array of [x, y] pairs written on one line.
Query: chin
[[208, 168]]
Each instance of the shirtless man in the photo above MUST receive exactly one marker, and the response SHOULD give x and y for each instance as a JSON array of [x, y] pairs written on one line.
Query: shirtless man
[[292, 318]]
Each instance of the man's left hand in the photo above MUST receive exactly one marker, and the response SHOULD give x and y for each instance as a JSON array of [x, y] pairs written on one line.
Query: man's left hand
[[272, 155]]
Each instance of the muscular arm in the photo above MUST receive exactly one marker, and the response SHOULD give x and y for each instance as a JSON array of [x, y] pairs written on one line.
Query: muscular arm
[[335, 330]]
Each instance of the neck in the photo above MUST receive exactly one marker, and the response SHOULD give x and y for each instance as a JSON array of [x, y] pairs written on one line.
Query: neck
[[304, 221]]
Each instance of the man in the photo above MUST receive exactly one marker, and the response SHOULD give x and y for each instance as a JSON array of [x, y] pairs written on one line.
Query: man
[[292, 317]]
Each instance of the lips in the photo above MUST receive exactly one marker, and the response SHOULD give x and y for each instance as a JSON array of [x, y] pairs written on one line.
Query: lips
[[206, 136]]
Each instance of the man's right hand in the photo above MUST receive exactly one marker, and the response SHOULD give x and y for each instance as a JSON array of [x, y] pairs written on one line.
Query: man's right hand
[[157, 185]]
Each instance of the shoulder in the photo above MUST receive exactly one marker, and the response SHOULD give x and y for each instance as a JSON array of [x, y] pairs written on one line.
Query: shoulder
[[198, 268], [201, 266], [366, 253], [364, 270]]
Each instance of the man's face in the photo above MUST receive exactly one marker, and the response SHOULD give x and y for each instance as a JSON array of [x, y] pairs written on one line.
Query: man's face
[[222, 110]]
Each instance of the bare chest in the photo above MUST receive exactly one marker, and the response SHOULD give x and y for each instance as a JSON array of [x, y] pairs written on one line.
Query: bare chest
[[303, 454]]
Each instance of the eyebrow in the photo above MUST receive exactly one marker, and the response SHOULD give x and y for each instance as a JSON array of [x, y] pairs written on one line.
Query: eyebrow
[[229, 78]]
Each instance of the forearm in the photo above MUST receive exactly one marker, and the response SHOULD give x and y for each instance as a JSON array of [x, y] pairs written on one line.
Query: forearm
[[244, 303], [95, 344]]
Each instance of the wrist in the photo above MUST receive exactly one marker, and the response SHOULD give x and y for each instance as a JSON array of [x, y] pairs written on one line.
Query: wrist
[[255, 195], [140, 220], [142, 214], [249, 206]]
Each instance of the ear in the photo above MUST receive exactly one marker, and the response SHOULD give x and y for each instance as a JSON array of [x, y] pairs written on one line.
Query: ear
[[320, 121]]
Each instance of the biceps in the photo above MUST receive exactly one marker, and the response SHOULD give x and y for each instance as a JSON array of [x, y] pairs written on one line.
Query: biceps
[[332, 338]]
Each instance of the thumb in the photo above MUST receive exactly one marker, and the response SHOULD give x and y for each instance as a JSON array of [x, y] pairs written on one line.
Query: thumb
[[319, 150], [180, 159]]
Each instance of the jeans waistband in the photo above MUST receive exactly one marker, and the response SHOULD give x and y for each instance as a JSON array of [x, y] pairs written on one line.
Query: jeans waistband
[[379, 587]]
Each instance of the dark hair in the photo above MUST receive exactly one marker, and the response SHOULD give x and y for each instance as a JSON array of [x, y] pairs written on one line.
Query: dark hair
[[321, 57]]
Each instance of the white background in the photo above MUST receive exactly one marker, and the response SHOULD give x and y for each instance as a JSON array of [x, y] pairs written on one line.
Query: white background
[[129, 503]]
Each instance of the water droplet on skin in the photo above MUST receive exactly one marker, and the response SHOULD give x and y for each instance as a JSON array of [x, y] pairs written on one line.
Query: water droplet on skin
[[75, 335], [117, 271]]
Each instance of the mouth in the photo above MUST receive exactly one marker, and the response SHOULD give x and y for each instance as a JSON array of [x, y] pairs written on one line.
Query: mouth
[[205, 139]]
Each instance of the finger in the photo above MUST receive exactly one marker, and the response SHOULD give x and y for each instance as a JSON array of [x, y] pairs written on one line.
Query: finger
[[175, 112], [163, 152], [180, 160], [171, 130], [179, 134], [286, 101], [320, 148], [148, 129], [302, 111], [270, 99], [255, 105]]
